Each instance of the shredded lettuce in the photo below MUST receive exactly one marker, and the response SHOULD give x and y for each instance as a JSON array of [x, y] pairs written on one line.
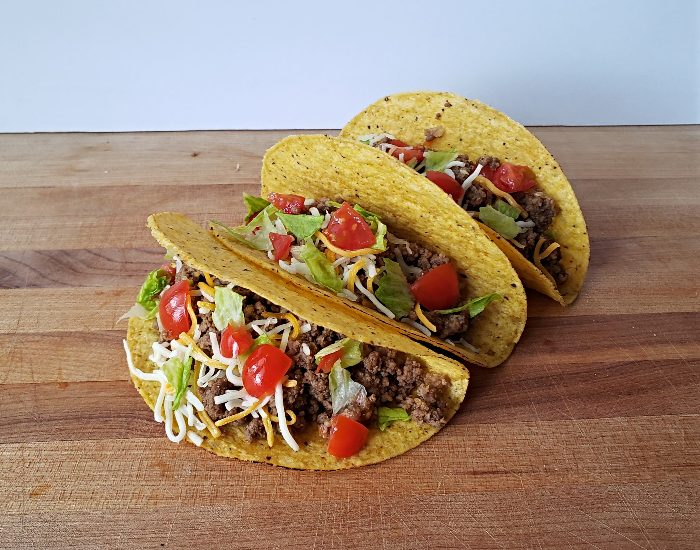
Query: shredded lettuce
[[344, 390], [321, 268], [378, 228], [393, 290], [177, 371], [474, 306], [504, 208], [352, 352], [302, 226], [499, 222], [151, 288], [260, 340], [438, 160], [334, 204], [387, 415], [254, 204], [256, 233], [228, 308]]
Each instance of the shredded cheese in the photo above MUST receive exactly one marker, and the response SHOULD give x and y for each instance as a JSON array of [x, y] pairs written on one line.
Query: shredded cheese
[[206, 305], [186, 340], [547, 251], [295, 325], [331, 255], [239, 415], [372, 298], [203, 415], [284, 429], [423, 319], [516, 244], [193, 325], [204, 287], [292, 417], [538, 263], [352, 275], [345, 253], [292, 383], [484, 182], [208, 279], [268, 426]]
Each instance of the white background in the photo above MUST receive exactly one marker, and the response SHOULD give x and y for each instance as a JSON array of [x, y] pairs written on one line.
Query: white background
[[173, 65]]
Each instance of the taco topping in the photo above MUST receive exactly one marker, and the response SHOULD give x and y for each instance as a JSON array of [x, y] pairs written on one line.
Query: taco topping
[[349, 251], [241, 362], [502, 195]]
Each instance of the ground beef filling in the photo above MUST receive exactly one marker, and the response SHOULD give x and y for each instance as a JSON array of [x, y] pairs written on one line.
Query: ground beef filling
[[391, 378], [540, 208], [414, 255]]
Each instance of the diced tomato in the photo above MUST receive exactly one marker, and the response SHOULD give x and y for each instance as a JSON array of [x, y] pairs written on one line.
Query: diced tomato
[[348, 437], [512, 178], [488, 172], [348, 230], [327, 361], [289, 204], [438, 288], [408, 154], [447, 183], [263, 369], [168, 270], [173, 309], [281, 245], [398, 143], [235, 341]]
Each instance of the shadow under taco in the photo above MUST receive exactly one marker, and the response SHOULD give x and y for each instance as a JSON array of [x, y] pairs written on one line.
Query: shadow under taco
[[496, 171], [237, 362]]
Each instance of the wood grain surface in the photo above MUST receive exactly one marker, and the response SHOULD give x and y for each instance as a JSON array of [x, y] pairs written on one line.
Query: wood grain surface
[[588, 437]]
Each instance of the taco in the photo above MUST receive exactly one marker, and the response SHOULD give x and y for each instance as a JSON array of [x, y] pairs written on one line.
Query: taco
[[230, 358], [496, 171], [330, 221]]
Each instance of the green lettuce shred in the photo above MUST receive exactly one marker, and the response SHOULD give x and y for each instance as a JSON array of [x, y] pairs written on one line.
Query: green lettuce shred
[[352, 352], [321, 268], [254, 204], [393, 290], [499, 222], [228, 308], [344, 390], [302, 226], [388, 415], [177, 371], [474, 306], [504, 208], [151, 288], [438, 160]]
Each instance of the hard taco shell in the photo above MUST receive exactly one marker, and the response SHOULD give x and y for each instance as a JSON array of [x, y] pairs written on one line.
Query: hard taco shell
[[320, 166], [197, 248], [475, 129]]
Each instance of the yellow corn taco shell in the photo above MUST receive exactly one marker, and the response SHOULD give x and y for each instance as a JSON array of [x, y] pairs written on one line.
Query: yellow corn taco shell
[[475, 129], [199, 249], [321, 166]]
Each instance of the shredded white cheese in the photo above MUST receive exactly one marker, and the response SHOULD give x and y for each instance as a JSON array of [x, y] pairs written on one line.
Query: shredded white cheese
[[345, 293], [284, 429], [374, 300], [420, 327], [466, 184]]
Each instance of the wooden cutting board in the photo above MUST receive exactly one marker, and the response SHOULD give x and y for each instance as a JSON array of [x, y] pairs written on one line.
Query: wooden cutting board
[[588, 436]]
